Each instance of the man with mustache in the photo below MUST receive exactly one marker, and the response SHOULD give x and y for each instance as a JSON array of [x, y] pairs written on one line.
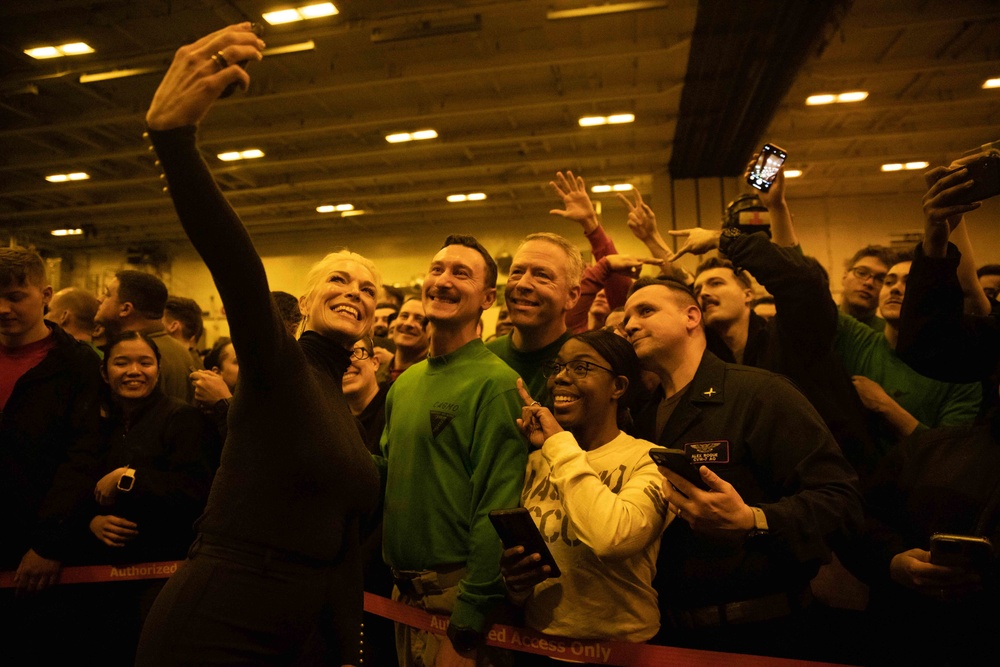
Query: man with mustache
[[451, 452]]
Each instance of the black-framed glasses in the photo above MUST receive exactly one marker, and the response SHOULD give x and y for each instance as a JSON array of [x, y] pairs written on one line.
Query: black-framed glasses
[[577, 368], [864, 273], [360, 353]]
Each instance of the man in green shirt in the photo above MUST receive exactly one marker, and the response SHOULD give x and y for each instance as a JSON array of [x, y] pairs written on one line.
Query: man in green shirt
[[451, 453], [544, 283]]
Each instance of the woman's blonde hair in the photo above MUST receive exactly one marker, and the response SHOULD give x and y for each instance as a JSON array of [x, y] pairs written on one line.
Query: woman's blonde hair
[[320, 270]]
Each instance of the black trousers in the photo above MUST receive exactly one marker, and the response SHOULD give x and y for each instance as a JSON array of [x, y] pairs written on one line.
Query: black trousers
[[233, 605]]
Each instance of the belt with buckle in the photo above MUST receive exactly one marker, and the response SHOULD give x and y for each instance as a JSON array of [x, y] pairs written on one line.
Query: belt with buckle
[[766, 608]]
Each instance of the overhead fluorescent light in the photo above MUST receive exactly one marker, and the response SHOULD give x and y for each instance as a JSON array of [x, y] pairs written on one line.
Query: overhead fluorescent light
[[116, 74], [72, 49], [66, 232], [63, 178], [335, 208], [352, 212], [793, 173], [838, 98], [419, 135], [249, 154], [621, 118], [291, 48], [473, 196], [907, 166], [614, 119], [991, 83], [606, 8], [301, 13], [616, 187]]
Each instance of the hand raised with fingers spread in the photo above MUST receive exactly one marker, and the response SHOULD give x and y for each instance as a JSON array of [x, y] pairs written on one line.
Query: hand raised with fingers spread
[[198, 75], [641, 219], [578, 206], [699, 240], [536, 422]]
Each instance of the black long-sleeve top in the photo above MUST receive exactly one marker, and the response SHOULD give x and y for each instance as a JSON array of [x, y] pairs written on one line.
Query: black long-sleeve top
[[798, 342], [294, 471]]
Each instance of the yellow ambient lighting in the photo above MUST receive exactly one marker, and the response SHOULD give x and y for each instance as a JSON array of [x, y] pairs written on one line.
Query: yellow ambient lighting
[[300, 13], [591, 121], [291, 48], [600, 188], [67, 232], [893, 166], [72, 49], [249, 154], [614, 119], [419, 135], [352, 212], [621, 187], [991, 83], [830, 98], [793, 173], [62, 178], [617, 187], [916, 165]]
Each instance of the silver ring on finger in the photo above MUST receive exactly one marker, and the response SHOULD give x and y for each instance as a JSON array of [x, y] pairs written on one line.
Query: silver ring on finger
[[220, 60], [533, 403]]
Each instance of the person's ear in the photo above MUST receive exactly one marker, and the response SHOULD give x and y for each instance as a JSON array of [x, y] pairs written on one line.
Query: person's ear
[[489, 298], [574, 297], [174, 327], [104, 374], [375, 361], [126, 309], [621, 386]]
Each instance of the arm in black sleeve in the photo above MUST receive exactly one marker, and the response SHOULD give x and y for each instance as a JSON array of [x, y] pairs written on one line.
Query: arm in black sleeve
[[936, 338], [224, 244], [806, 313]]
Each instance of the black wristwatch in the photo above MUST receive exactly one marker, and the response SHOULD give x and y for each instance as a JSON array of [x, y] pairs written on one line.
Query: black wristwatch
[[464, 640]]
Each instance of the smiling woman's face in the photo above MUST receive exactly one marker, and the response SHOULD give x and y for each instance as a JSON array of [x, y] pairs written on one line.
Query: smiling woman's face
[[343, 306], [576, 400], [132, 370]]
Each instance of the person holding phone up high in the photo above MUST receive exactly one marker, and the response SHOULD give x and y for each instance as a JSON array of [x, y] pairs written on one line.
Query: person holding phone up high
[[595, 495]]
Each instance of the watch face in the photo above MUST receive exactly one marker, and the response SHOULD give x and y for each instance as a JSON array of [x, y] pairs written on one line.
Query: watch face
[[125, 482]]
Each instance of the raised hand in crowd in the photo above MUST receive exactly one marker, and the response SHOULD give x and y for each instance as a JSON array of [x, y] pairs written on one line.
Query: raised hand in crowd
[[875, 398], [209, 388], [699, 240], [576, 201], [945, 205], [782, 230], [199, 73], [114, 531], [642, 223]]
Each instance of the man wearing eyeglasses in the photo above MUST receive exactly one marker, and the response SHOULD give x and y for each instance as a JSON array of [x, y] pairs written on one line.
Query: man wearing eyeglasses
[[863, 278]]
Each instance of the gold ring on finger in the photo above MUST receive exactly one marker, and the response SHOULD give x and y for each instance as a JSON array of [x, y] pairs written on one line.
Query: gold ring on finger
[[220, 60]]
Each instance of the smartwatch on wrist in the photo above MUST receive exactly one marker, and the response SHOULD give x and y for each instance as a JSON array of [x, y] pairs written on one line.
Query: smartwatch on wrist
[[127, 480], [759, 523]]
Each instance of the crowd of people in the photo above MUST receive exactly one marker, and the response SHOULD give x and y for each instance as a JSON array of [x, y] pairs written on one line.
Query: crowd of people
[[357, 438]]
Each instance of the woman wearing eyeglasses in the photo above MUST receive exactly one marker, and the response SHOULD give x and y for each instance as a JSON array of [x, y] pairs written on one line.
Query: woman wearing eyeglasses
[[596, 498]]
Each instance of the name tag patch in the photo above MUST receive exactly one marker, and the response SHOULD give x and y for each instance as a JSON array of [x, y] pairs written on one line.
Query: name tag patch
[[707, 452]]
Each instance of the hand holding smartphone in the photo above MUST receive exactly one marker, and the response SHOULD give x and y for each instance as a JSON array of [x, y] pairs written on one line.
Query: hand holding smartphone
[[765, 170], [257, 29], [968, 551], [676, 460], [516, 528]]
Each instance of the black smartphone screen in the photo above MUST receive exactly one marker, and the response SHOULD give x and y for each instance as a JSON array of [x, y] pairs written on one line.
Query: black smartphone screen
[[677, 461], [765, 170], [516, 528]]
